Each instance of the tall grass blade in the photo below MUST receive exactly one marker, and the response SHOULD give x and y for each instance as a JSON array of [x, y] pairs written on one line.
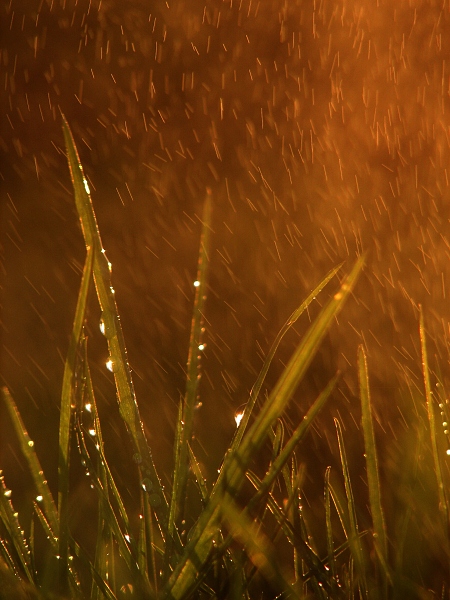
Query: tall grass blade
[[236, 463], [329, 526], [355, 542], [373, 480], [65, 424], [113, 331], [43, 494], [443, 505], [181, 469]]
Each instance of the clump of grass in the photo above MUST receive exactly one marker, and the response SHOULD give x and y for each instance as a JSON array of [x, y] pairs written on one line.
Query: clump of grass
[[230, 551]]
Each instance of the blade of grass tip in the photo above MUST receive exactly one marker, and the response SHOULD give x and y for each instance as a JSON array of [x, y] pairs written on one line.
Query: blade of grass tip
[[355, 542], [65, 425], [376, 509], [236, 462], [443, 506], [268, 360], [43, 494], [12, 526], [113, 332]]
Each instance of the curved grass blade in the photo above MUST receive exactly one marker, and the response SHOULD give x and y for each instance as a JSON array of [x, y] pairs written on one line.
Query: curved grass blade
[[355, 542], [236, 463], [28, 450], [113, 332], [376, 509]]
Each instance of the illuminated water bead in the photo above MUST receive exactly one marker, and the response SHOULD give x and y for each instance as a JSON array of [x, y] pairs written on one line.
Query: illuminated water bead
[[88, 407], [196, 283], [31, 443], [201, 347], [39, 498], [238, 418], [92, 432], [102, 327], [86, 185], [110, 365], [448, 452]]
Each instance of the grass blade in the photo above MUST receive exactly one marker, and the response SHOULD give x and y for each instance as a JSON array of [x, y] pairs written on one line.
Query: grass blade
[[65, 425], [376, 509], [254, 394], [354, 539], [43, 493], [113, 330]]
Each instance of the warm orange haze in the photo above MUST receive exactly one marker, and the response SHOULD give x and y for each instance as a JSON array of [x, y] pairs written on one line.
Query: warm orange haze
[[321, 131]]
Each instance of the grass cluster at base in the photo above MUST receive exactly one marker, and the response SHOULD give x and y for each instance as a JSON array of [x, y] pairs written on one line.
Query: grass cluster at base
[[230, 551]]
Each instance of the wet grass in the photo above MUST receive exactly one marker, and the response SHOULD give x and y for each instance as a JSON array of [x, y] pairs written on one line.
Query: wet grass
[[262, 548]]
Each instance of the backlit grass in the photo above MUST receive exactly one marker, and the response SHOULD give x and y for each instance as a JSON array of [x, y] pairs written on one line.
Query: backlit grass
[[230, 551]]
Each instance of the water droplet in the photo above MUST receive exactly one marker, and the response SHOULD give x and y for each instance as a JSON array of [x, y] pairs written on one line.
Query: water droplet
[[137, 458], [201, 347], [88, 407], [196, 283], [109, 266], [338, 296], [112, 290], [110, 365], [448, 452], [198, 405], [146, 485], [39, 498], [31, 443], [92, 432], [238, 418], [127, 537], [7, 493], [102, 326], [86, 186]]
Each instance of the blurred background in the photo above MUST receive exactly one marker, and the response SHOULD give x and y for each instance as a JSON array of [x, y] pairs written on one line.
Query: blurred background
[[322, 129]]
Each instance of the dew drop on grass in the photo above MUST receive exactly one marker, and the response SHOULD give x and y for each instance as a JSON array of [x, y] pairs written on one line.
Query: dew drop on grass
[[137, 458], [238, 417], [31, 443], [39, 498], [102, 326], [92, 432], [88, 407], [110, 365], [146, 485], [7, 493], [86, 185], [196, 283]]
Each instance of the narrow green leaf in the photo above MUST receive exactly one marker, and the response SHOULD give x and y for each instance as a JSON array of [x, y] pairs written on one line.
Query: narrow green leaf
[[376, 509], [65, 425], [113, 330], [355, 542]]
